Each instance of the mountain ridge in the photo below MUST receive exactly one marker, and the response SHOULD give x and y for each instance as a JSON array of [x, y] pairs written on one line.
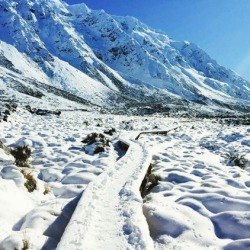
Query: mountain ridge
[[110, 59]]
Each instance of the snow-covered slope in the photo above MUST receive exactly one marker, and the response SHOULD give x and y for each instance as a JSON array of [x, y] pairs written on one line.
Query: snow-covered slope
[[143, 54], [19, 74], [107, 59]]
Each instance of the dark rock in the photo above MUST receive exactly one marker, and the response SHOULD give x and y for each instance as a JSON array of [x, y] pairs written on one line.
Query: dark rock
[[42, 111], [123, 146], [7, 112], [110, 131], [99, 149]]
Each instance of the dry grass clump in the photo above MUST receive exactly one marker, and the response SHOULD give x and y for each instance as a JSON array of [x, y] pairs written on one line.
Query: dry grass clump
[[30, 183], [46, 189], [26, 241], [26, 244]]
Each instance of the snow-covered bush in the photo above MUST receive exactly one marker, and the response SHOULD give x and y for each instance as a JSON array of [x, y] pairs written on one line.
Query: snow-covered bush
[[110, 131], [26, 244], [21, 155], [237, 160], [153, 181], [7, 110], [96, 143]]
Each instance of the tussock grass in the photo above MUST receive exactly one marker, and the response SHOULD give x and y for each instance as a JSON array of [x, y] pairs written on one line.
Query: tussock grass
[[30, 183], [46, 189]]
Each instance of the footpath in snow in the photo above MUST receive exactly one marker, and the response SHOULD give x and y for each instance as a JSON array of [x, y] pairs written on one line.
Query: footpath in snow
[[109, 214]]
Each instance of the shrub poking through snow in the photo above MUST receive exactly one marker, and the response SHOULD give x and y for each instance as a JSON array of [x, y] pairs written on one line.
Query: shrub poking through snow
[[96, 143], [95, 137], [26, 244], [110, 131], [9, 108], [26, 241], [21, 155], [30, 183], [150, 181], [46, 189], [153, 179], [237, 161]]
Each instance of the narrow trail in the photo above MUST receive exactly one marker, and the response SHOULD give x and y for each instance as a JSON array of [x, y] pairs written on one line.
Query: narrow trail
[[109, 214]]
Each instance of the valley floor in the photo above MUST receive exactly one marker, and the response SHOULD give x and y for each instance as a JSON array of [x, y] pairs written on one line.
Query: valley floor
[[200, 200]]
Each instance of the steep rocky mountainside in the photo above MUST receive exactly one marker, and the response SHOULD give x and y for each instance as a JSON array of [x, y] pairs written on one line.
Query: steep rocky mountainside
[[106, 60]]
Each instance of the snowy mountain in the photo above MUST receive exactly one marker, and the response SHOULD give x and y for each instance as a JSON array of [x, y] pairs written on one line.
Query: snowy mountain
[[106, 60], [89, 180]]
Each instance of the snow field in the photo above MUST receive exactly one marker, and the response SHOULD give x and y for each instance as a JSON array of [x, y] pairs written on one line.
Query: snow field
[[59, 162], [203, 199]]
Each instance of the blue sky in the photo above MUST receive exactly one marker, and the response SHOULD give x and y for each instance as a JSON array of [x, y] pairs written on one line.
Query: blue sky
[[220, 27]]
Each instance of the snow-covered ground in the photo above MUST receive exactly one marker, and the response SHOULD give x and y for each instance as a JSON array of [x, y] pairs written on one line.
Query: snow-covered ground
[[203, 199], [109, 214], [201, 202]]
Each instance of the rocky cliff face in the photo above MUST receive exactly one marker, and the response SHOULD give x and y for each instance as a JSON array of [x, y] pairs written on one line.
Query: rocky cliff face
[[108, 59]]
